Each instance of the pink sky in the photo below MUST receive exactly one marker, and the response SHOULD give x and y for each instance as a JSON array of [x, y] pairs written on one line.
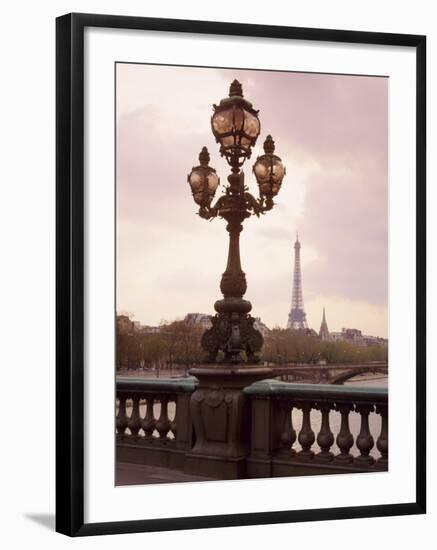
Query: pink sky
[[330, 131]]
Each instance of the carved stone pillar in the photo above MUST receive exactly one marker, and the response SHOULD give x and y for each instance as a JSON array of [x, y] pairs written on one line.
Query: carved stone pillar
[[325, 437], [365, 440], [222, 420], [306, 435], [345, 438]]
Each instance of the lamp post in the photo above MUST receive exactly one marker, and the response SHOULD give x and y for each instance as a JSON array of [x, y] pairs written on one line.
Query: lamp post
[[236, 127], [219, 408]]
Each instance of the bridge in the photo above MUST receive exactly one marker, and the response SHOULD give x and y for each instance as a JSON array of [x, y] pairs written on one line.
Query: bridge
[[328, 374], [170, 430]]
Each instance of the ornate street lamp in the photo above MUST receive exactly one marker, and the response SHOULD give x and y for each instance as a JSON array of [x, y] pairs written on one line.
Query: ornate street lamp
[[269, 172], [203, 180], [236, 127]]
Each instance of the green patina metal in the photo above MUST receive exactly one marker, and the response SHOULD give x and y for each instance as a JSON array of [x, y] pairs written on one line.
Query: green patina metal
[[170, 385], [278, 388]]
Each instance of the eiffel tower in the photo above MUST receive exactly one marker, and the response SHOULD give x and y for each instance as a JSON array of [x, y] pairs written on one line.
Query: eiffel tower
[[297, 318]]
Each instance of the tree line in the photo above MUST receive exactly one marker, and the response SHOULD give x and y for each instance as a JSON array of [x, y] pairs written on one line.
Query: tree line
[[177, 345], [283, 346]]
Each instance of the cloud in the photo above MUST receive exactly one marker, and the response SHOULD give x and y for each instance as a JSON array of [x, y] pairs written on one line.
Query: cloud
[[331, 132]]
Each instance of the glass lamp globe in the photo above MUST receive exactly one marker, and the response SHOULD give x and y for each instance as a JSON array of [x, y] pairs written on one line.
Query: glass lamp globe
[[235, 125], [269, 170], [203, 180]]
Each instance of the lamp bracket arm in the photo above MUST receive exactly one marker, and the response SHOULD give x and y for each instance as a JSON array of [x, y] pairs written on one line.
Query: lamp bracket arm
[[209, 212], [257, 206], [252, 204]]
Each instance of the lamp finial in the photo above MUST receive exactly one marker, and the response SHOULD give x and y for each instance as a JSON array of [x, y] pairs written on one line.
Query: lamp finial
[[269, 145], [236, 89], [204, 156]]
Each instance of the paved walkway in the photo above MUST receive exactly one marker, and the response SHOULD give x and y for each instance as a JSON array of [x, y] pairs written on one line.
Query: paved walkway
[[139, 474]]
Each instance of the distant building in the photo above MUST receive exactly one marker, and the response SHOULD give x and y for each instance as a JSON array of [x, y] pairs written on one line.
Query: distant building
[[356, 337], [203, 320], [352, 335], [374, 340], [262, 327], [324, 332], [199, 319], [146, 329], [309, 332], [336, 336], [125, 325]]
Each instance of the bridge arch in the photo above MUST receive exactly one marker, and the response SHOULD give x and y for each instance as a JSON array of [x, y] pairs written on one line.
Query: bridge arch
[[351, 373]]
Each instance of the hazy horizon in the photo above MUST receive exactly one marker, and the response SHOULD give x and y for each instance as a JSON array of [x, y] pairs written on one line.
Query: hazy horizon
[[331, 133]]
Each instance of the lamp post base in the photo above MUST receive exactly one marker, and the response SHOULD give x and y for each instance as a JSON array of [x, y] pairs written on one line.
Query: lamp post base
[[221, 418], [233, 333]]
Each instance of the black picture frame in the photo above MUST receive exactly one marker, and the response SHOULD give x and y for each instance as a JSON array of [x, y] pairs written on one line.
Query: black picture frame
[[70, 272]]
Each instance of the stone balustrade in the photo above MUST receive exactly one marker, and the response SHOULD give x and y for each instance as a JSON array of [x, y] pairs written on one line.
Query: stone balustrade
[[284, 438], [292, 429], [153, 420]]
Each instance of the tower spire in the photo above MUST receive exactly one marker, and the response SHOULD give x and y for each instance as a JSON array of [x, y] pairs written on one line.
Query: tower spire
[[324, 332], [297, 316]]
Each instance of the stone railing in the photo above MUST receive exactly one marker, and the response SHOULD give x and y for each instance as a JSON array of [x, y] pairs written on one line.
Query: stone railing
[[324, 416], [153, 420], [289, 429]]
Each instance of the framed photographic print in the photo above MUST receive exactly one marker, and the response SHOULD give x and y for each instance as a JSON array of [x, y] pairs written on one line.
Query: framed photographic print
[[268, 366]]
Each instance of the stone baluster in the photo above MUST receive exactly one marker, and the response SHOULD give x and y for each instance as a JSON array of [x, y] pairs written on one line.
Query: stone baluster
[[306, 435], [345, 438], [173, 423], [365, 440], [163, 422], [382, 441], [325, 437], [148, 422], [122, 419], [134, 422], [287, 436]]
